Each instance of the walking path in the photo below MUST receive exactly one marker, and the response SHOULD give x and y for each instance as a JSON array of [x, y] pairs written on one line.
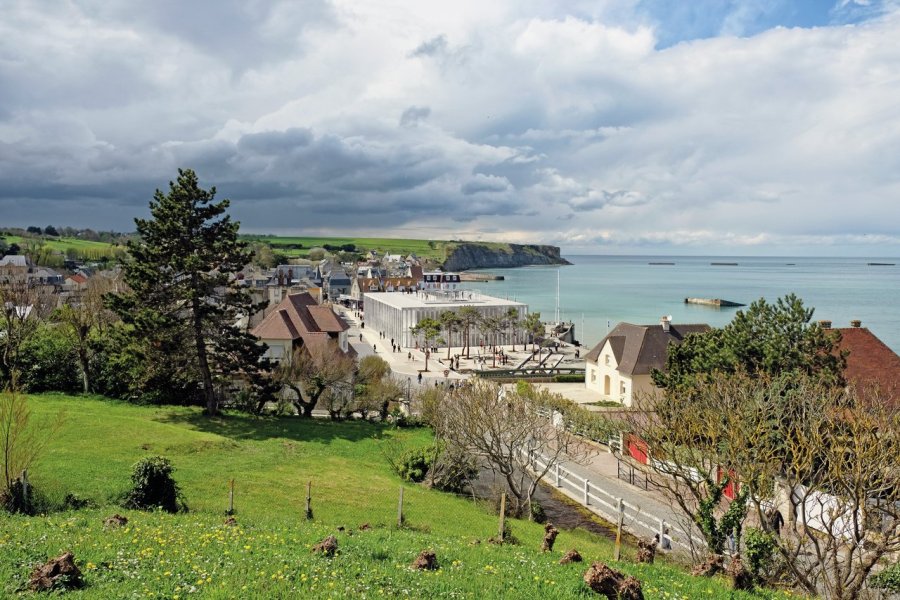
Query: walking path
[[594, 484]]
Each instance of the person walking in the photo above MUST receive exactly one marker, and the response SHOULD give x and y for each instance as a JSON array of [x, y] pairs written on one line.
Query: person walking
[[420, 379]]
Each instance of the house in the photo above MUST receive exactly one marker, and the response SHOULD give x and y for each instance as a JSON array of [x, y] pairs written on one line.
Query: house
[[14, 264], [438, 280], [366, 285], [299, 321], [290, 279], [619, 367]]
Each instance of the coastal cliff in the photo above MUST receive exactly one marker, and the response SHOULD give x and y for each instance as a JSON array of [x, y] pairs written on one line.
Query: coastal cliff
[[474, 255]]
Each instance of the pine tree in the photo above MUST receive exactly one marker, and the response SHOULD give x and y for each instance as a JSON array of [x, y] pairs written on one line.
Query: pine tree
[[182, 288]]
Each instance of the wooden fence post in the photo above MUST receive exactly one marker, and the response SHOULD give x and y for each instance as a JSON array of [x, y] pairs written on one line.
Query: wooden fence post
[[309, 513], [618, 549], [25, 490], [400, 509], [501, 534], [230, 510]]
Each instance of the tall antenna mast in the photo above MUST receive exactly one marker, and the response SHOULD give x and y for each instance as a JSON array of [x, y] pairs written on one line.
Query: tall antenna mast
[[557, 295]]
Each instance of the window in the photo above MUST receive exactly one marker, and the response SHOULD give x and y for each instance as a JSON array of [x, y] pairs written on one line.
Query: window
[[622, 387], [606, 359]]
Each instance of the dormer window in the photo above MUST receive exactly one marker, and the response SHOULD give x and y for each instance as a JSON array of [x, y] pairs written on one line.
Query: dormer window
[[606, 359]]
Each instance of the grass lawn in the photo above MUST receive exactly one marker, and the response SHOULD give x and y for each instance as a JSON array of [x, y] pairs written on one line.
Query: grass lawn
[[267, 554]]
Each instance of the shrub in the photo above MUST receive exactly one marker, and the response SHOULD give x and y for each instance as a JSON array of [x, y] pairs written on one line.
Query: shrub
[[153, 486], [569, 378], [52, 365], [537, 512], [889, 579], [413, 464], [760, 552]]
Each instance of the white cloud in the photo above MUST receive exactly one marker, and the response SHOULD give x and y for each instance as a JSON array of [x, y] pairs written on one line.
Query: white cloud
[[501, 119]]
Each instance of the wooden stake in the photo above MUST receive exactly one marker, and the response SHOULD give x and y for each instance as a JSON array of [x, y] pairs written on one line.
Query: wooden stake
[[25, 490], [309, 514], [400, 509], [230, 510], [618, 549], [501, 534]]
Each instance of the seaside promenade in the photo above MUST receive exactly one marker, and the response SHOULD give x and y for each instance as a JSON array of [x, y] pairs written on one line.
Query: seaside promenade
[[601, 469]]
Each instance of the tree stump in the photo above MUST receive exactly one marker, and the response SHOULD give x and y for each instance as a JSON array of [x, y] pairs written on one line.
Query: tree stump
[[426, 561], [550, 533], [741, 578], [612, 584], [570, 557], [115, 521], [231, 521], [326, 547], [647, 550], [713, 565], [57, 573]]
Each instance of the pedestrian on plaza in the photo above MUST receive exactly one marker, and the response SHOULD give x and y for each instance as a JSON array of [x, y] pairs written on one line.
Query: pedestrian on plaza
[[374, 348], [409, 356], [420, 379]]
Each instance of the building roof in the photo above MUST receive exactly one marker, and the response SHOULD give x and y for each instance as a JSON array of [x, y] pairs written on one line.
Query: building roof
[[871, 365], [14, 260], [441, 300], [299, 317], [77, 278], [639, 349]]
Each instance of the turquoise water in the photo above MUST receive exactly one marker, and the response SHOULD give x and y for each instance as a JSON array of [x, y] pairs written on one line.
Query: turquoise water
[[604, 290]]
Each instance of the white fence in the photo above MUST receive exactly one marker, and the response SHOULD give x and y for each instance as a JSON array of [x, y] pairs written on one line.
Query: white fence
[[634, 520]]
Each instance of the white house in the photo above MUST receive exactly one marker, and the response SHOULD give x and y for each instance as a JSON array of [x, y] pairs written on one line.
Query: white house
[[619, 367]]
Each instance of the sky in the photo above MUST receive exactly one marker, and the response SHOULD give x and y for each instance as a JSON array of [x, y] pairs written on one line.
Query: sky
[[757, 127]]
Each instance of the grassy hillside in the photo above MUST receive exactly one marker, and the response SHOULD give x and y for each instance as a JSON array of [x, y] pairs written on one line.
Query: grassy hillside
[[267, 555], [288, 245], [85, 249]]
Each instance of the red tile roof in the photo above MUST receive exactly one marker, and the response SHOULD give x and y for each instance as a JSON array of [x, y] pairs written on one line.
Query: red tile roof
[[871, 365]]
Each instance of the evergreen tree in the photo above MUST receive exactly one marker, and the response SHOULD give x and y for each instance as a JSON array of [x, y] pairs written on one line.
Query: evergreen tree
[[767, 338], [183, 294]]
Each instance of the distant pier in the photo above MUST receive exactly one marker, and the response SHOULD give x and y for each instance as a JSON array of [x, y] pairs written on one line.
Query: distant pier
[[480, 277], [717, 302]]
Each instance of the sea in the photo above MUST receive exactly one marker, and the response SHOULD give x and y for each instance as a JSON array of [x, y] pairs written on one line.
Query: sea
[[597, 292]]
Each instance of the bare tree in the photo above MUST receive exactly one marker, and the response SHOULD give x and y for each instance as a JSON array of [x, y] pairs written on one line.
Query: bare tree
[[85, 315], [23, 307], [502, 429], [21, 440], [317, 372], [816, 465], [831, 470]]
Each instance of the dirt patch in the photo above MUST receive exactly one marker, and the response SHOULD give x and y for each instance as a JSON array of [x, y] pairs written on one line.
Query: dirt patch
[[58, 573]]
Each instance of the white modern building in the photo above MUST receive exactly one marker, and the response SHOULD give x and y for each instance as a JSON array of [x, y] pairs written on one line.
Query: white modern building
[[394, 313]]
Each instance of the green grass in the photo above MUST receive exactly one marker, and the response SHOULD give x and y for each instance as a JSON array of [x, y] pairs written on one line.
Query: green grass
[[86, 249], [267, 555], [422, 248]]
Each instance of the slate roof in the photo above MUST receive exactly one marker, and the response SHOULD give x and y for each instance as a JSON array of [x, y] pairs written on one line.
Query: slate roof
[[639, 349], [299, 317]]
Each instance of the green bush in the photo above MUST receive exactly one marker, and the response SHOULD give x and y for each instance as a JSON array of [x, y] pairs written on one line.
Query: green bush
[[537, 512], [889, 579], [153, 486], [569, 378], [413, 464], [591, 425], [760, 552], [50, 362]]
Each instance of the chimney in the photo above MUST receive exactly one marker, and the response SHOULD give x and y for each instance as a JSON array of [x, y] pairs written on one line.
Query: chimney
[[855, 323], [665, 322], [825, 324]]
